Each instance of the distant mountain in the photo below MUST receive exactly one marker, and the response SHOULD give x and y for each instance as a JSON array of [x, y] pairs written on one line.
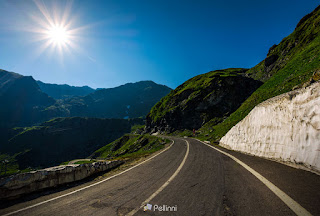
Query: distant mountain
[[64, 91], [24, 104], [127, 101], [21, 99]]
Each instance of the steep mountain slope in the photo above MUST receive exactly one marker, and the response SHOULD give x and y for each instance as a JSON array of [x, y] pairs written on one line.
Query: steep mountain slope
[[64, 91], [293, 63], [22, 101], [127, 101], [64, 139], [213, 95]]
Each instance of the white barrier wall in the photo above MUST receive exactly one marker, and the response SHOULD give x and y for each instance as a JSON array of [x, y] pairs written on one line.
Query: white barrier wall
[[285, 128], [36, 180]]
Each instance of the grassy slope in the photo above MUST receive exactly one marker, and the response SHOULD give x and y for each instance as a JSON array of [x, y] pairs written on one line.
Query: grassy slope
[[130, 146], [195, 84], [299, 60], [61, 138]]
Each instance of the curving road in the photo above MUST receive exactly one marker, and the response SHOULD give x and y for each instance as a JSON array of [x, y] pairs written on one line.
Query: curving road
[[191, 178]]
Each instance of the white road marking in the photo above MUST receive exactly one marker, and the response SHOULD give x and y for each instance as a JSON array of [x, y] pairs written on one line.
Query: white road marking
[[293, 205], [164, 185], [89, 186]]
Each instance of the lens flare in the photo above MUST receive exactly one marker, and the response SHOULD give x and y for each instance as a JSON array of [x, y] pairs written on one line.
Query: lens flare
[[58, 34], [56, 28]]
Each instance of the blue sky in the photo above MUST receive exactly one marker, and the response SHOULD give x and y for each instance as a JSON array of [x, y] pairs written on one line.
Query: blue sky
[[128, 41]]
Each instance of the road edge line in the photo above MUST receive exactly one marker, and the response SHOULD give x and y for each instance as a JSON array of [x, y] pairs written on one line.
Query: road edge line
[[291, 203], [164, 185], [89, 186]]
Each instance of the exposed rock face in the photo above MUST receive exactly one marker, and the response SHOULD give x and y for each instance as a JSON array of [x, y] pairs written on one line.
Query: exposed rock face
[[284, 128], [200, 99], [33, 181]]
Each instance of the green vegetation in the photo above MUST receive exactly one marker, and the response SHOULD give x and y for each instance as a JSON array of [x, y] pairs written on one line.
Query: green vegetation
[[137, 128], [130, 146], [194, 85], [187, 133], [62, 139], [65, 163], [296, 66], [9, 166], [85, 161]]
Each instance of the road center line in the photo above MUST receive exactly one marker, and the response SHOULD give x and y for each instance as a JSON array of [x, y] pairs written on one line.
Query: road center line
[[164, 185], [89, 186], [293, 205]]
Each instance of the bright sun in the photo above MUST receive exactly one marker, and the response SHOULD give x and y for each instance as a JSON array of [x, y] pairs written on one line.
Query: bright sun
[[57, 29], [58, 35]]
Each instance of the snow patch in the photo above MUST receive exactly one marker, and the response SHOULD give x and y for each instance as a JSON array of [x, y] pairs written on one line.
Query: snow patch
[[284, 128]]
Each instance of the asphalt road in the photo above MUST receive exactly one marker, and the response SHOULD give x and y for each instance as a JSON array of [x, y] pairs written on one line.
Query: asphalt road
[[192, 179]]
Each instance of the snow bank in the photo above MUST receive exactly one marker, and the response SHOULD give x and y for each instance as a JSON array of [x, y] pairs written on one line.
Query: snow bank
[[285, 128]]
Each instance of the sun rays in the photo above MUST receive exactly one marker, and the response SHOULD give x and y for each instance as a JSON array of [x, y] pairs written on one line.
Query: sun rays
[[56, 29]]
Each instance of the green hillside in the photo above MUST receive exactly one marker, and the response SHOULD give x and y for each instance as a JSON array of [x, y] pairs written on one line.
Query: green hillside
[[130, 146], [61, 139], [293, 63], [213, 95]]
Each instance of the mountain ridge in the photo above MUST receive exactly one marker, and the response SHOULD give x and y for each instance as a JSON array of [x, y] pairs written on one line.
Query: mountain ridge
[[61, 91], [25, 104]]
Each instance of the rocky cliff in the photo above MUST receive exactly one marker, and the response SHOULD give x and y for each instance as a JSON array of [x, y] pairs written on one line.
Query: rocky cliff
[[284, 128], [213, 95]]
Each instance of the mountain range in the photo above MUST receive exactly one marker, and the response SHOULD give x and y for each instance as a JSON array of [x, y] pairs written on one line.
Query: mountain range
[[26, 102]]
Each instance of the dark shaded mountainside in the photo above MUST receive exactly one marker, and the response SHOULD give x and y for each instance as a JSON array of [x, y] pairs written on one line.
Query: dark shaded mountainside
[[21, 100], [213, 95], [24, 104], [31, 135], [216, 101], [131, 100], [62, 139], [64, 91]]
